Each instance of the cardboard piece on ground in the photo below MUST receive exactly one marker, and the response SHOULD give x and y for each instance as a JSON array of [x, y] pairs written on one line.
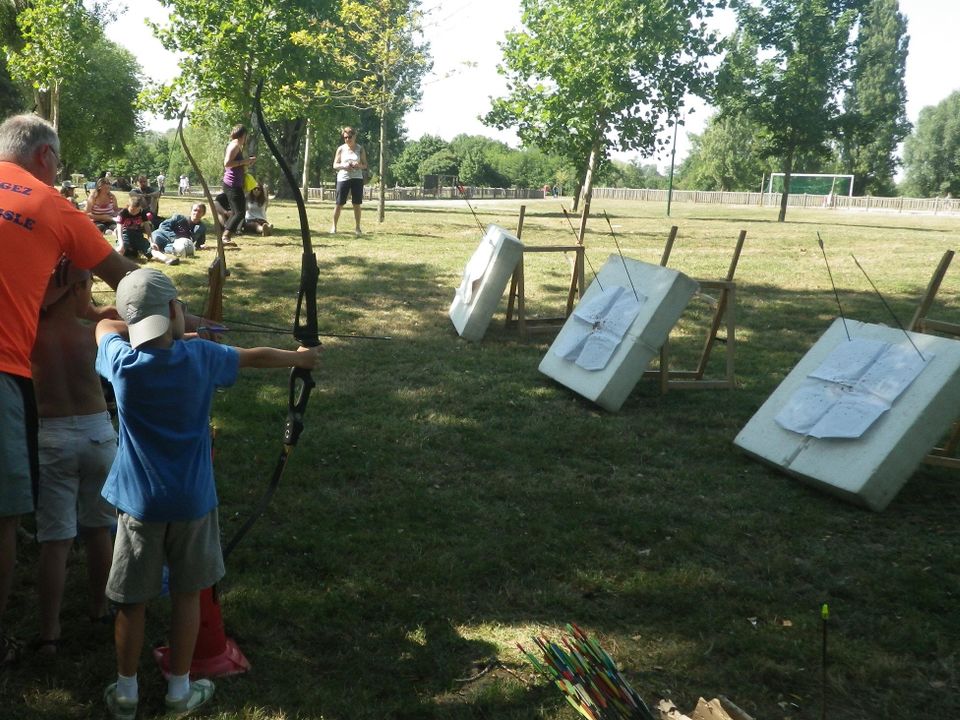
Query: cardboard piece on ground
[[705, 710], [871, 469], [484, 280], [663, 294]]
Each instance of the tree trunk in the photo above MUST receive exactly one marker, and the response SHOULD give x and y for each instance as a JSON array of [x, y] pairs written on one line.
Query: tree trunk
[[787, 172], [305, 181], [588, 188], [55, 106], [382, 166], [577, 186]]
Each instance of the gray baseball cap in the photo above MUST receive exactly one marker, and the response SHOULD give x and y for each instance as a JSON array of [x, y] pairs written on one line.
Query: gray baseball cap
[[143, 301]]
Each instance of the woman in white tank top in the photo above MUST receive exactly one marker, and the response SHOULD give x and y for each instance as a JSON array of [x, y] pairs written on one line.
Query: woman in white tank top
[[349, 161]]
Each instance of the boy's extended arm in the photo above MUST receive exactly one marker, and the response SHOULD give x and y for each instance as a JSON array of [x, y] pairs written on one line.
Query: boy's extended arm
[[105, 327], [265, 357]]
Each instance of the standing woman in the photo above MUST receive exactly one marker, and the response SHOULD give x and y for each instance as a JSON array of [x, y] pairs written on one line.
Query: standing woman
[[234, 171], [349, 161]]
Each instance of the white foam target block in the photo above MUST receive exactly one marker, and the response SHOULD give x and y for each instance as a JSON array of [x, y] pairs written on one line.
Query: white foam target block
[[484, 280], [868, 470], [664, 294]]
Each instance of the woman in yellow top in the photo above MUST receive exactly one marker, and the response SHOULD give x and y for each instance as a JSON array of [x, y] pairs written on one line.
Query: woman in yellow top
[[349, 161]]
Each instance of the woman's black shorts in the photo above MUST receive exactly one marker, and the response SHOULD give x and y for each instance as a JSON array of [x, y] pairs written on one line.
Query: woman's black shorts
[[352, 186]]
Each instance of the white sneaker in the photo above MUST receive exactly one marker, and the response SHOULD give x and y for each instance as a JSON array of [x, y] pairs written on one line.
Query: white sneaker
[[358, 232], [333, 229], [199, 694]]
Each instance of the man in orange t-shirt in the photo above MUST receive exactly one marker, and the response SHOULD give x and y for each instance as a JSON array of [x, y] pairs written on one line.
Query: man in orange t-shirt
[[37, 226]]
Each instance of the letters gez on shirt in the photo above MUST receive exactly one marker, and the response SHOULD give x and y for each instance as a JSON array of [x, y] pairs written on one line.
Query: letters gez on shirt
[[10, 215]]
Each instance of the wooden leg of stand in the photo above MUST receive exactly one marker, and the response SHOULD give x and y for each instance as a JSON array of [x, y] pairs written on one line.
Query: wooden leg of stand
[[665, 367]]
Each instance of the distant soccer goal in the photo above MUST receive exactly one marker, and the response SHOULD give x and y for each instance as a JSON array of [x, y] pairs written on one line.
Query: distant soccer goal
[[813, 184]]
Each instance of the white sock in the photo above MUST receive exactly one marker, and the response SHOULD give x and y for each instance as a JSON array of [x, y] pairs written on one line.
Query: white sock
[[178, 686], [127, 687]]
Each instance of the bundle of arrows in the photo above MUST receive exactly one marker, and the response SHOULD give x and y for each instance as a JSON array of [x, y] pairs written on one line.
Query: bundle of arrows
[[588, 677]]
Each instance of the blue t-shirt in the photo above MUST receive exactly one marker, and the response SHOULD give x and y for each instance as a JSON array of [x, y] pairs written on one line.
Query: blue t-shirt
[[163, 471]]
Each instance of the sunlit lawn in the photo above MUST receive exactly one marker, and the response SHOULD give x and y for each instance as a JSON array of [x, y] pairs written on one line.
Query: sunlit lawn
[[447, 501]]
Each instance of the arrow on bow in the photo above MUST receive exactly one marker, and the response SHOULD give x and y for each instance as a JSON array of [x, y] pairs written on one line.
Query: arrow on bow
[[217, 272], [304, 330]]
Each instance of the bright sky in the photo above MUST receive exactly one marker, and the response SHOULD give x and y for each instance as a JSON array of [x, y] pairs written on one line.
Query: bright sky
[[463, 36]]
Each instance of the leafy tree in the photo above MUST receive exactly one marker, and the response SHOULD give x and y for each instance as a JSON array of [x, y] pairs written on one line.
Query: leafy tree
[[11, 100], [147, 154], [442, 162], [204, 138], [51, 34], [406, 168], [73, 89], [383, 62], [932, 153], [91, 138], [876, 121], [636, 174], [476, 169], [784, 71], [727, 156], [224, 56], [588, 76]]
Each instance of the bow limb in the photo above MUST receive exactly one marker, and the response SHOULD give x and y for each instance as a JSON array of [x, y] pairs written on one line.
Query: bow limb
[[305, 320], [217, 271], [304, 330]]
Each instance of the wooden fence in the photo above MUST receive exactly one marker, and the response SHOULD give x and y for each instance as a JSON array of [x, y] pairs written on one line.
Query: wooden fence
[[802, 200], [372, 192], [935, 206]]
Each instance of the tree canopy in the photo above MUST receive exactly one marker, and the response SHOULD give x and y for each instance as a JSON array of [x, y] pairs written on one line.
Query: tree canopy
[[875, 120], [382, 59], [932, 152], [589, 76], [784, 72]]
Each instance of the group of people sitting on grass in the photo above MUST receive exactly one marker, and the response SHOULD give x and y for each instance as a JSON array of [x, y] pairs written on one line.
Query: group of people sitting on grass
[[142, 232]]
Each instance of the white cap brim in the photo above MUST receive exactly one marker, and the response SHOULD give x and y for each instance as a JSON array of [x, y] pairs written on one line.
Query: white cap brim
[[150, 328]]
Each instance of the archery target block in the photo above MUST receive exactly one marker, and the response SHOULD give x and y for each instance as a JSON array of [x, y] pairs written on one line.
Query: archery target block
[[667, 294], [869, 470], [484, 280]]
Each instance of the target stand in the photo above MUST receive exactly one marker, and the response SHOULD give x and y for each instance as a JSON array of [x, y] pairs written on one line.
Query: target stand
[[722, 297], [947, 454], [517, 298]]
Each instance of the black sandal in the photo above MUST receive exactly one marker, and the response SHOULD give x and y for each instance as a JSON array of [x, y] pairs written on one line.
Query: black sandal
[[10, 650], [46, 647]]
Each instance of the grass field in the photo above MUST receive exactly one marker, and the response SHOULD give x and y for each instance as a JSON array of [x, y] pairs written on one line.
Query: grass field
[[447, 501]]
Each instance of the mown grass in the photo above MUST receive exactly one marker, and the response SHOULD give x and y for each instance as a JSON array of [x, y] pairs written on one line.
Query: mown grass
[[447, 501]]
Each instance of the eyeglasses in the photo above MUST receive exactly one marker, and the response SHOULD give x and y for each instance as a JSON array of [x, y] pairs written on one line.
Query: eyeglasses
[[348, 135], [182, 304], [57, 156]]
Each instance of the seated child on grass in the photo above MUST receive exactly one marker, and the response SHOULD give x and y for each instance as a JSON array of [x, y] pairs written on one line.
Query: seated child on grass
[[134, 226], [162, 480]]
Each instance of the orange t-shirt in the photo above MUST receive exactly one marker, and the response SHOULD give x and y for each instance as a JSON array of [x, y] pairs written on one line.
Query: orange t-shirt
[[37, 225]]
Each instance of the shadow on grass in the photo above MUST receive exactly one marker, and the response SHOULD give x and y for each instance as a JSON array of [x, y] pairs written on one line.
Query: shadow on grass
[[446, 501]]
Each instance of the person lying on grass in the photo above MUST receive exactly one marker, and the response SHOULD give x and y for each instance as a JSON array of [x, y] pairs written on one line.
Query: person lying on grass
[[162, 479]]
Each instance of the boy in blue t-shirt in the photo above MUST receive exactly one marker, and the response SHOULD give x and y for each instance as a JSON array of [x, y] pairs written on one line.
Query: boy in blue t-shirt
[[162, 479]]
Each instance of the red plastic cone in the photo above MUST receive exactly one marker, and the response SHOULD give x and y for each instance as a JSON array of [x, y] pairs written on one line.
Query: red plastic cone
[[215, 655]]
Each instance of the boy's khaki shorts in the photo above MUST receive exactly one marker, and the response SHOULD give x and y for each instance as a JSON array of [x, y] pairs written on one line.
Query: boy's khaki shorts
[[190, 549]]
